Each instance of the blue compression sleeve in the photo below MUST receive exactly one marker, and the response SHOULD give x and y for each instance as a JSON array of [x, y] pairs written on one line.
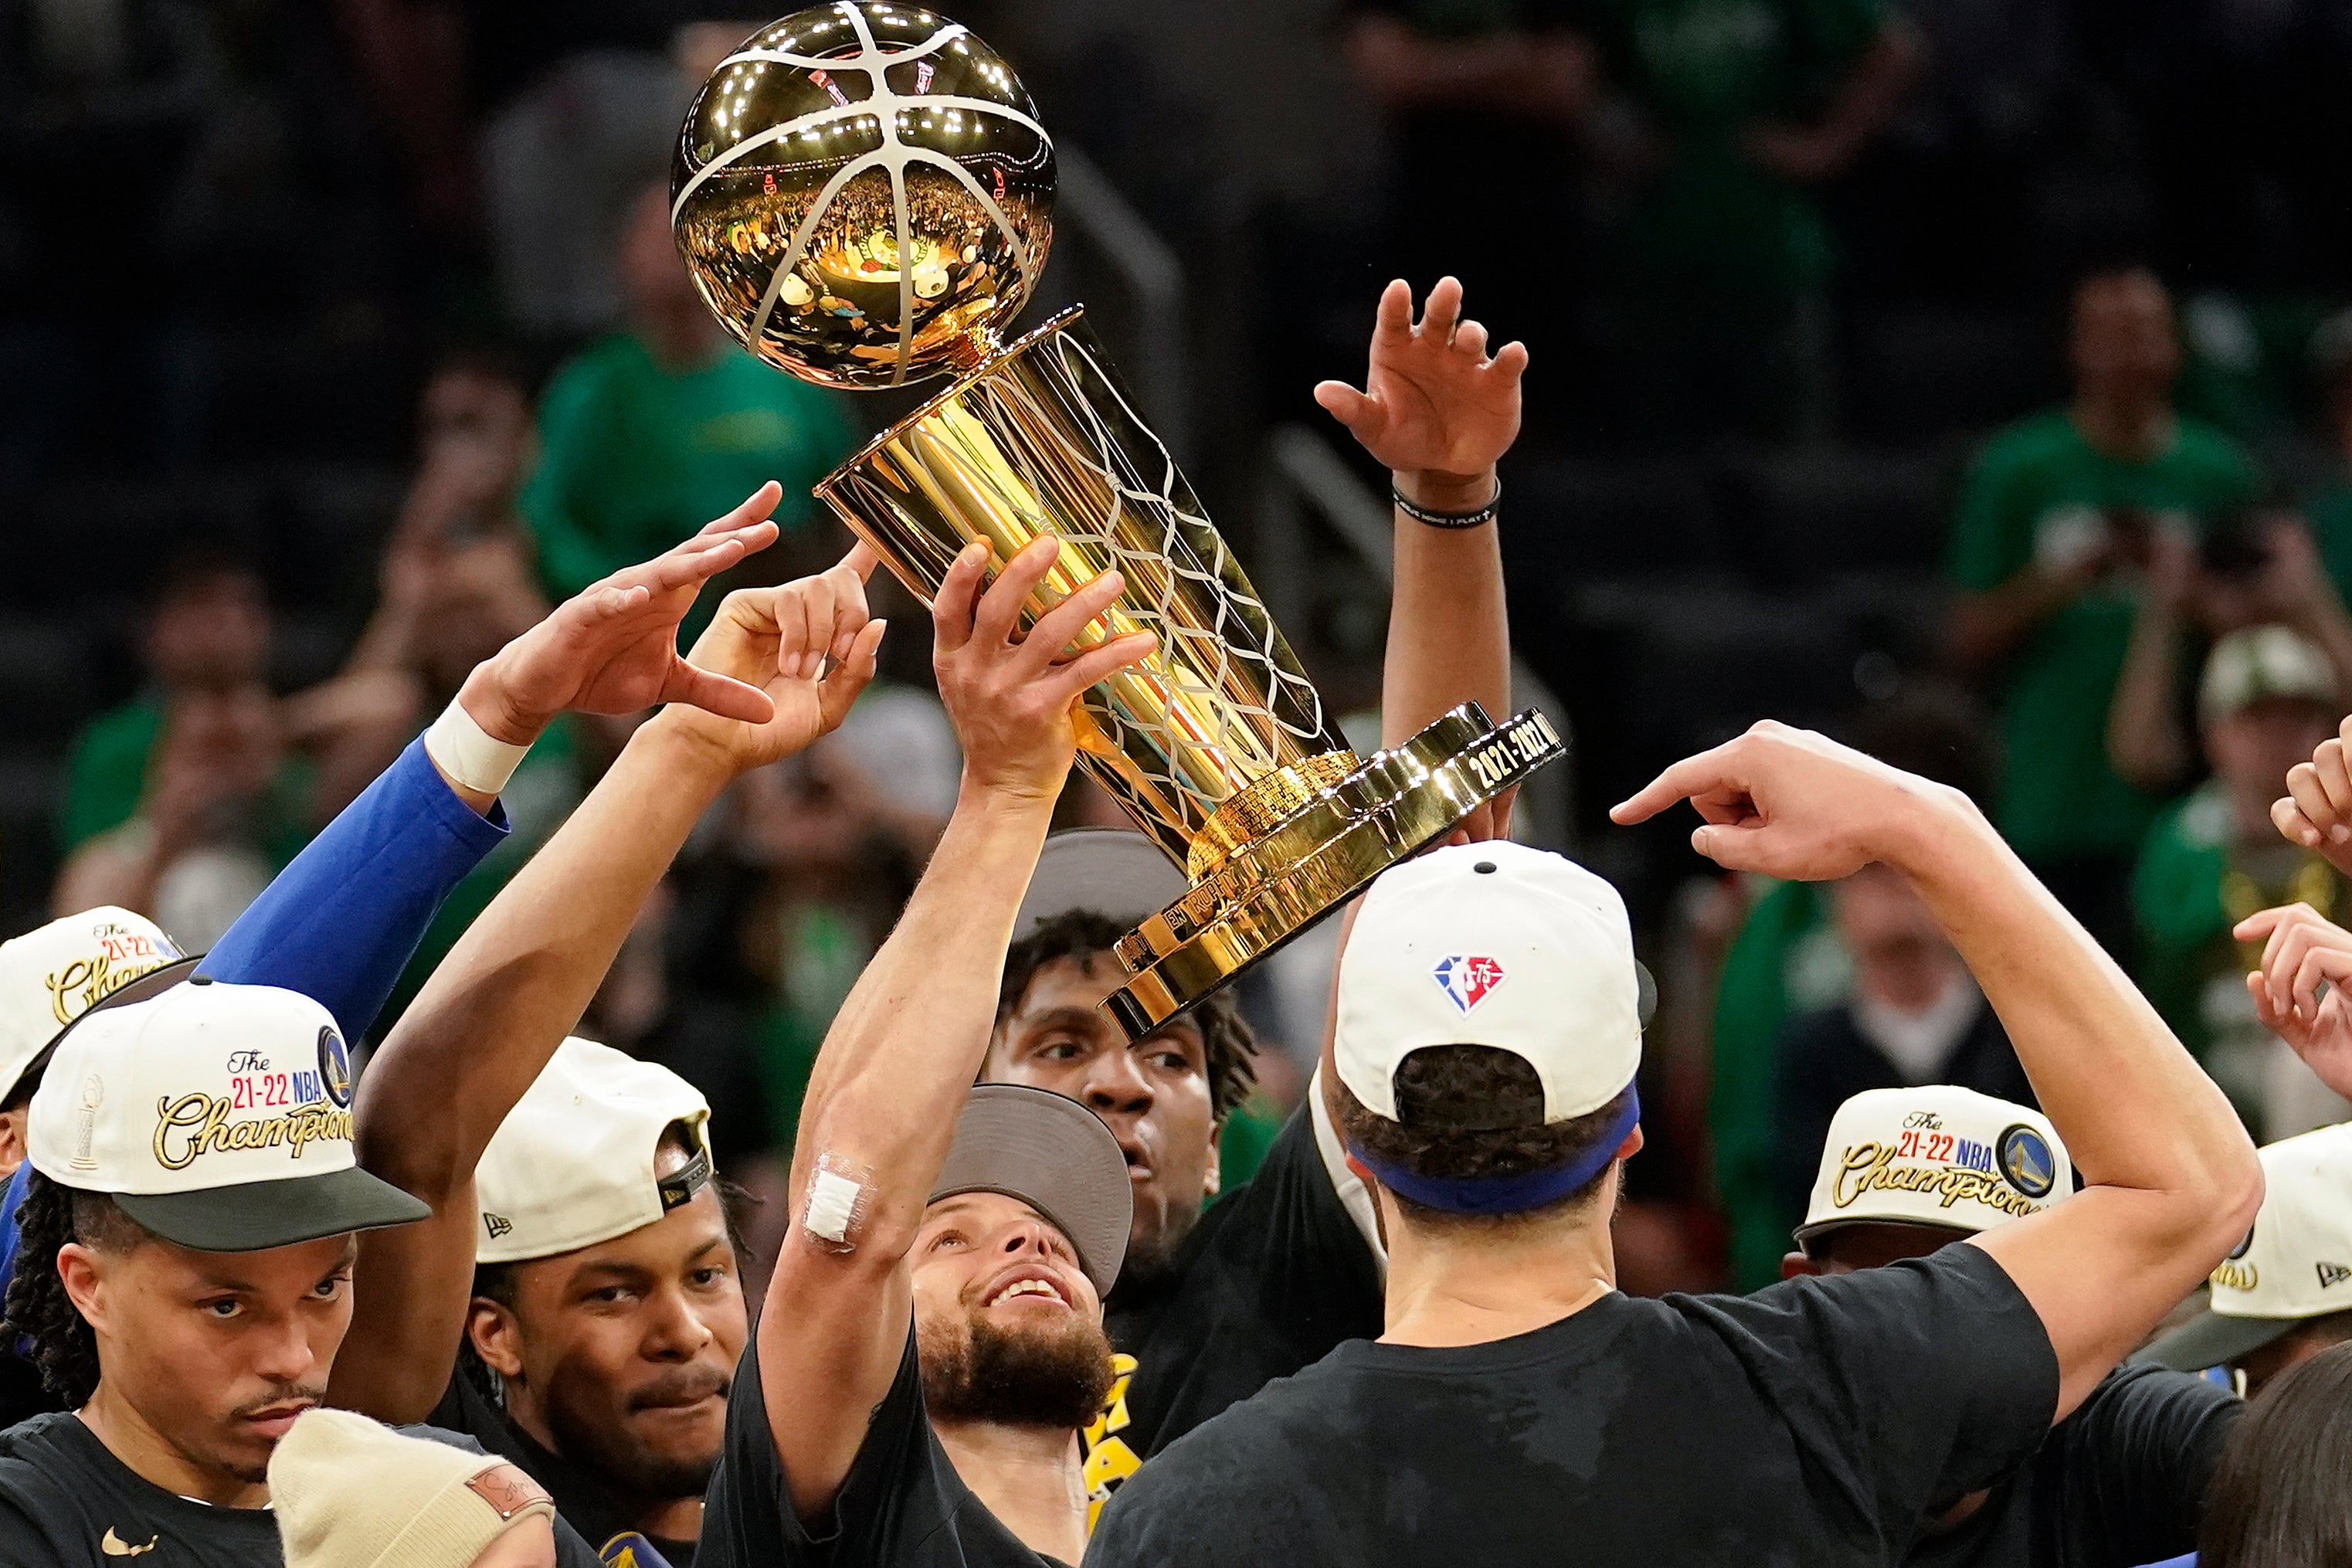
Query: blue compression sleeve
[[342, 921]]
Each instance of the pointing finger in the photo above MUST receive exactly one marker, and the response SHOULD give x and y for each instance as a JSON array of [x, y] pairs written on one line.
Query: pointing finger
[[1708, 773], [756, 508]]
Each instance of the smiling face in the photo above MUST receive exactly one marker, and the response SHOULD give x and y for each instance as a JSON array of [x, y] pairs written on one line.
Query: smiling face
[[1008, 1326], [214, 1353], [1154, 1094], [618, 1356]]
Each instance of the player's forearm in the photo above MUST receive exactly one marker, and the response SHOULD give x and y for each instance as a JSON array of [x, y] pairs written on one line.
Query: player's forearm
[[1449, 635], [2135, 1110], [486, 1021], [904, 1048]]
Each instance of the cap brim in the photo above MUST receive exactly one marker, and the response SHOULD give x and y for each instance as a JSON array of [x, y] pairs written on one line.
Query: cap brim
[[257, 1215], [1108, 871], [2213, 1339], [1818, 1229], [155, 983], [1054, 1155]]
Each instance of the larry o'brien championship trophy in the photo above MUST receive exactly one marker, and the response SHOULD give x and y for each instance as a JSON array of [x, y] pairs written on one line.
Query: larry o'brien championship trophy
[[864, 197]]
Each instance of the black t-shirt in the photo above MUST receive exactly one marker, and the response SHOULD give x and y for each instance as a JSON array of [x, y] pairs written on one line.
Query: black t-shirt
[[67, 1502], [1271, 1279], [586, 1502], [901, 1506], [2117, 1483], [22, 1396], [1818, 1422]]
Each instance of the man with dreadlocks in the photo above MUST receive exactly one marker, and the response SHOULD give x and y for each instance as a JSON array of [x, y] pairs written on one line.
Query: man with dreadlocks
[[191, 1211], [1215, 1302]]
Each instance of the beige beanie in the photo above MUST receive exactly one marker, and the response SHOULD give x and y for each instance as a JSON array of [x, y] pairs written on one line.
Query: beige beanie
[[352, 1493]]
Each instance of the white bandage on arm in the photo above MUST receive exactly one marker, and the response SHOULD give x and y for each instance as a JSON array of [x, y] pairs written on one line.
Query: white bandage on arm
[[468, 754], [834, 1211]]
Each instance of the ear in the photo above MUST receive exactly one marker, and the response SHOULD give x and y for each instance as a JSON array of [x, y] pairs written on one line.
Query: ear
[[1216, 1165], [12, 1151], [83, 1272], [1796, 1265], [1632, 1144], [497, 1338]]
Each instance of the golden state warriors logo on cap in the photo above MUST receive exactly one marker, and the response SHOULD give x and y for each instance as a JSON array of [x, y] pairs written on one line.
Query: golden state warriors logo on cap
[[335, 1066], [2026, 1159]]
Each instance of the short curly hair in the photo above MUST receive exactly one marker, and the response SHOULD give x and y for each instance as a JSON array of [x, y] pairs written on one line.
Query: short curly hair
[[1473, 1113], [1229, 1047], [65, 1349]]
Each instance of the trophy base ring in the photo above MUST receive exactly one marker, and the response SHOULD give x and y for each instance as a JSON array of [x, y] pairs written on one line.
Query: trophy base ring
[[1270, 889]]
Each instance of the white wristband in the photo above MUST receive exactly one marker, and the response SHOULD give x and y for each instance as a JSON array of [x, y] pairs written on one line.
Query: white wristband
[[469, 754]]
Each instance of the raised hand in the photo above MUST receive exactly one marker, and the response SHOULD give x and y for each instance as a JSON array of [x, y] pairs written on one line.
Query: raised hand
[[2316, 810], [1435, 409], [808, 647], [613, 648], [2298, 991], [1010, 695], [1792, 804]]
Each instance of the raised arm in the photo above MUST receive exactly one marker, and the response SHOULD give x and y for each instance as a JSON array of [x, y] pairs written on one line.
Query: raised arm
[[485, 1024], [903, 1051], [2174, 1181], [1438, 412]]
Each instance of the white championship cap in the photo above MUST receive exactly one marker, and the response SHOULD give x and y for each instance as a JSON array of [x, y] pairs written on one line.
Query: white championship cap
[[1493, 944], [572, 1165], [217, 1116], [2296, 1262], [53, 974], [2258, 664], [1934, 1155], [1499, 945]]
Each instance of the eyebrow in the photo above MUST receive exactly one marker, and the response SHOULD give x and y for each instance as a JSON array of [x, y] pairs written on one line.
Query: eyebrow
[[607, 1270]]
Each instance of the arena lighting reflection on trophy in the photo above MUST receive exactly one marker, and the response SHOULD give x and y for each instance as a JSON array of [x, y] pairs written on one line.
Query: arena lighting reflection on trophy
[[864, 197]]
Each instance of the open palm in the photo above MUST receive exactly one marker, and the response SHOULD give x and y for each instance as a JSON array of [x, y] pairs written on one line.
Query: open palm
[[613, 648], [808, 646], [1433, 401]]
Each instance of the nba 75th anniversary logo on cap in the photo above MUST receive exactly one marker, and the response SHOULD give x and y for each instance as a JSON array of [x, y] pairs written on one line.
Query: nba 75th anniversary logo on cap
[[219, 1117]]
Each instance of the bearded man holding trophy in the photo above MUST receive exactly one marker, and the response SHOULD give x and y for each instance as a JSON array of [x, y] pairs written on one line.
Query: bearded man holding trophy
[[863, 196]]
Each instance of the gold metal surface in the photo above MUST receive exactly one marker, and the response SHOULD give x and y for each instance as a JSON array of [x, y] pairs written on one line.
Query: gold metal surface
[[1217, 745], [1268, 891], [863, 196], [1043, 438], [1259, 808]]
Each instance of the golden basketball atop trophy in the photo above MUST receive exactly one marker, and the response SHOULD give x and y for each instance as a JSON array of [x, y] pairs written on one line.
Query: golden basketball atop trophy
[[863, 196]]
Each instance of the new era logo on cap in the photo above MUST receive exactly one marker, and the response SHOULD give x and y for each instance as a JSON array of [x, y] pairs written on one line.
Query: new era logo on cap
[[1467, 979], [2295, 1263]]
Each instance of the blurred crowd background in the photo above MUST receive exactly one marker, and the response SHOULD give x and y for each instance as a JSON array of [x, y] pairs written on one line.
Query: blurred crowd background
[[1972, 378]]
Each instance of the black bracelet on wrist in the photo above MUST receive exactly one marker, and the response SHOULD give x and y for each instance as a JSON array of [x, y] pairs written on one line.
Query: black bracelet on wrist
[[1483, 514]]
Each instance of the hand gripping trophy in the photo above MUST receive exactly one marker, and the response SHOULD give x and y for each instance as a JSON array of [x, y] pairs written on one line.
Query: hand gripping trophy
[[864, 197]]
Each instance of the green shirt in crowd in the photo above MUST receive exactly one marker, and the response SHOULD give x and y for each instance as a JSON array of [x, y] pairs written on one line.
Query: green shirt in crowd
[[1787, 959], [2195, 881], [107, 777], [1714, 223], [2033, 487], [634, 459]]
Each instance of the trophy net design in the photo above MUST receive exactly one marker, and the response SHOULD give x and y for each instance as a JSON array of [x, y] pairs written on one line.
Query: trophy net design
[[1217, 745]]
